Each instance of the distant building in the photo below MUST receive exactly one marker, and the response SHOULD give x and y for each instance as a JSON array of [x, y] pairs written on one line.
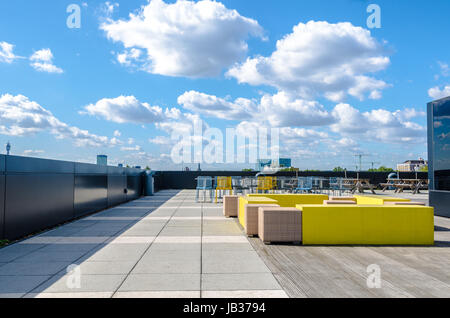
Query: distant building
[[102, 160], [412, 165], [281, 163]]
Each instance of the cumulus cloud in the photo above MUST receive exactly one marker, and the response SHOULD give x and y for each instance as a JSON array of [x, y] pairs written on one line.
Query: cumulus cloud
[[20, 117], [42, 61], [212, 106], [437, 93], [125, 109], [445, 69], [320, 59], [377, 125], [31, 152], [6, 53], [279, 110], [185, 38]]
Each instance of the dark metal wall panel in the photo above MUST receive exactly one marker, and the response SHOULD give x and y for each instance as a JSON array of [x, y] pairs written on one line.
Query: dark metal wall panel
[[440, 200], [2, 205], [91, 194], [2, 163], [35, 165], [134, 186], [178, 180], [35, 202], [117, 184], [86, 168]]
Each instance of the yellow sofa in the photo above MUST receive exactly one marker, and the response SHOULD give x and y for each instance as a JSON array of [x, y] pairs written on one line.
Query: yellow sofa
[[291, 200], [367, 225], [377, 200]]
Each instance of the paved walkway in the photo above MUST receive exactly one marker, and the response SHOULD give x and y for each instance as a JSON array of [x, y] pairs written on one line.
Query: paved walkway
[[161, 246]]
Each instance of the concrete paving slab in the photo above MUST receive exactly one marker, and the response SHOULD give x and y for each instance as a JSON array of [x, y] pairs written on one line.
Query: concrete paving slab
[[232, 262], [176, 246], [32, 269], [228, 247], [12, 287], [10, 253], [159, 294], [178, 239], [88, 283], [66, 240], [249, 294], [181, 231], [224, 239], [249, 281], [56, 256], [161, 282], [131, 240], [94, 295], [117, 252], [104, 268], [67, 247], [171, 262]]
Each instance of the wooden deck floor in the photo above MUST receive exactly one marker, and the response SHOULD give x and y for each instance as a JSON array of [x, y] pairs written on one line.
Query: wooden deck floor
[[336, 271]]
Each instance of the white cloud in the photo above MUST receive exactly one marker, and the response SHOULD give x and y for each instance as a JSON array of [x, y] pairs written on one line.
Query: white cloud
[[186, 38], [20, 117], [30, 152], [44, 55], [46, 67], [42, 61], [445, 69], [125, 109], [320, 59], [409, 113], [128, 57], [6, 53], [377, 125], [281, 110], [160, 140], [109, 7], [115, 141], [135, 148], [437, 93], [117, 133], [212, 106]]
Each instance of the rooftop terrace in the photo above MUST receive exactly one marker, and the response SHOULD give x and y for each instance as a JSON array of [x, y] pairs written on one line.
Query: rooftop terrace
[[170, 246]]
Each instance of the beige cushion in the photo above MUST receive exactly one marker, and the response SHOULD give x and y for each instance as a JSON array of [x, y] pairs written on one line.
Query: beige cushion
[[251, 217], [279, 224], [404, 203], [230, 205], [335, 202]]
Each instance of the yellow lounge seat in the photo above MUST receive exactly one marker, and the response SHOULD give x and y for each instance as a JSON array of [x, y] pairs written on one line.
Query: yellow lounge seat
[[377, 200], [367, 225], [291, 200]]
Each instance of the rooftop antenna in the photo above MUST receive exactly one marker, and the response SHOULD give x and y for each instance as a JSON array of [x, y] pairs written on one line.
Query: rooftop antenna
[[360, 160], [8, 148]]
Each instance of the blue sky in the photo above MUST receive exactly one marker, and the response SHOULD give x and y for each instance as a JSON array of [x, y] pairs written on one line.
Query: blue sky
[[120, 86]]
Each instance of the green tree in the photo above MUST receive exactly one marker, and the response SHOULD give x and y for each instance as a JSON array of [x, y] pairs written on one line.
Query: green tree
[[338, 169], [382, 169], [423, 169]]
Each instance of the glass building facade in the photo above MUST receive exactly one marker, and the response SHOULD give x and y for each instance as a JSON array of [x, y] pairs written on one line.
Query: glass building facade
[[439, 155]]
